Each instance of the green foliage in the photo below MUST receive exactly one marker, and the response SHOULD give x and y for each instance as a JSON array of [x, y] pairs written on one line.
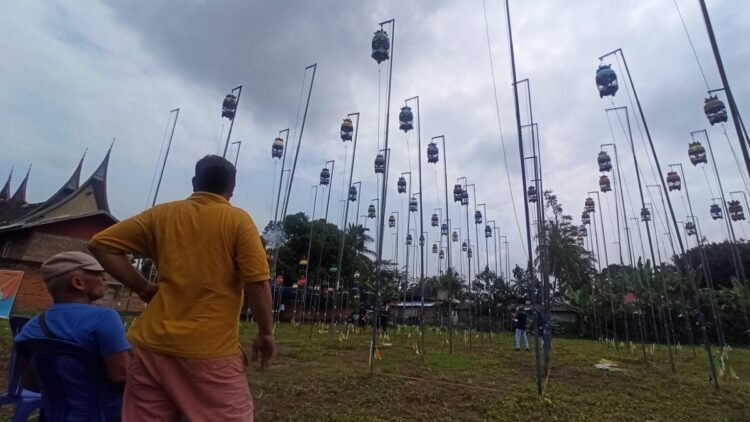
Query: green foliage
[[324, 251]]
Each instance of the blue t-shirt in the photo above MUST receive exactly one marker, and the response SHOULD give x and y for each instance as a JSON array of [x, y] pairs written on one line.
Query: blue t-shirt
[[96, 329]]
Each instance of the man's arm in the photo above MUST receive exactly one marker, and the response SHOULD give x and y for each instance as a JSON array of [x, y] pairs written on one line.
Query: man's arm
[[119, 266], [128, 236], [253, 268], [259, 299], [116, 365]]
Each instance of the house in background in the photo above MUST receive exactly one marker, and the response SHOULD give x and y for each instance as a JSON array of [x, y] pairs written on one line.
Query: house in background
[[32, 232]]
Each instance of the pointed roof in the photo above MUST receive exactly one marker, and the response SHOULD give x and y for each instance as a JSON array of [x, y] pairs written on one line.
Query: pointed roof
[[69, 187], [5, 192], [72, 200], [20, 195]]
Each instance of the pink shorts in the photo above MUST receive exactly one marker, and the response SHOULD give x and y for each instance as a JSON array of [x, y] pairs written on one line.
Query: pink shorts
[[166, 388]]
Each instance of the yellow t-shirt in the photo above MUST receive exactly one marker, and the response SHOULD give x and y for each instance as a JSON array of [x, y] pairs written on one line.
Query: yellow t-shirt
[[205, 251]]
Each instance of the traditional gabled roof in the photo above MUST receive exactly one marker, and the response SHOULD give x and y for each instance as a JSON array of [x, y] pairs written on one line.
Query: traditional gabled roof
[[65, 190], [5, 192], [88, 198], [72, 200], [20, 196]]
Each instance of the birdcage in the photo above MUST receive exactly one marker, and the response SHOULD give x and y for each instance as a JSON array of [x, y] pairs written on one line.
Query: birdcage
[[347, 129], [715, 110], [380, 164], [401, 185], [604, 161], [673, 181], [277, 148], [432, 153], [716, 213], [325, 176], [697, 153], [381, 45], [406, 119], [589, 205], [606, 81], [229, 106]]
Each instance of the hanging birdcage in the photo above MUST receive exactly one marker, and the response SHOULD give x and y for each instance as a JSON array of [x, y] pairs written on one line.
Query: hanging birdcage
[[531, 193], [604, 183], [434, 248], [432, 153], [413, 204], [352, 193], [697, 153], [605, 162], [645, 215], [435, 220], [347, 129], [441, 255], [381, 44], [582, 231], [380, 164], [277, 148], [229, 106], [464, 247], [690, 229], [465, 197], [469, 253], [392, 221], [454, 237], [585, 218], [406, 119], [408, 240], [715, 110], [371, 211], [325, 176], [716, 213], [457, 193], [444, 229], [487, 231], [401, 185], [735, 210], [589, 205], [606, 81], [673, 181], [477, 217]]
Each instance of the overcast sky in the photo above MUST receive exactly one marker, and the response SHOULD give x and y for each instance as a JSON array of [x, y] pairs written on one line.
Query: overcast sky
[[78, 74]]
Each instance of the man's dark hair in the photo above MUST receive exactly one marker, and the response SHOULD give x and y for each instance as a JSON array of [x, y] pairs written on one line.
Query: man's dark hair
[[214, 174]]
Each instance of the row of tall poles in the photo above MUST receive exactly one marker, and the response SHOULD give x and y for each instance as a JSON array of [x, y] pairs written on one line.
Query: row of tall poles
[[675, 181], [697, 155]]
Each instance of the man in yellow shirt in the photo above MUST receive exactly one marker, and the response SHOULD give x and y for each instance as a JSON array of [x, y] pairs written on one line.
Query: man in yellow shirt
[[187, 358]]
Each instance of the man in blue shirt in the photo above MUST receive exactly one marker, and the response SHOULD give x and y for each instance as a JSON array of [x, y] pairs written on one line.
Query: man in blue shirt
[[75, 280]]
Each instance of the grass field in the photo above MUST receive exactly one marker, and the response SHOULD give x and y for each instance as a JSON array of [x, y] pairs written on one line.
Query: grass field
[[326, 377]]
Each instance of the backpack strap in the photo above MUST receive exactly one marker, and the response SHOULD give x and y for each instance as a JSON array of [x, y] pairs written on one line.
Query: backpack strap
[[45, 328]]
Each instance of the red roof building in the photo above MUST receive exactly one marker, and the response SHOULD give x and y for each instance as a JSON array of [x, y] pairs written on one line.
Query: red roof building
[[32, 232]]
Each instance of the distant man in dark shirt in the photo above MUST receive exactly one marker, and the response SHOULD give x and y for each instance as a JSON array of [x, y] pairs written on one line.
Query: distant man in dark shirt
[[521, 329], [75, 280]]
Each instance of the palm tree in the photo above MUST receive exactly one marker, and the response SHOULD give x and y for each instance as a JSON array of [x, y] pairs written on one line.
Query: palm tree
[[357, 237], [568, 263]]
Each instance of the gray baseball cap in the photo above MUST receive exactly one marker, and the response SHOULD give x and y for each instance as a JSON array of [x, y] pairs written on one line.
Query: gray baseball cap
[[66, 262]]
